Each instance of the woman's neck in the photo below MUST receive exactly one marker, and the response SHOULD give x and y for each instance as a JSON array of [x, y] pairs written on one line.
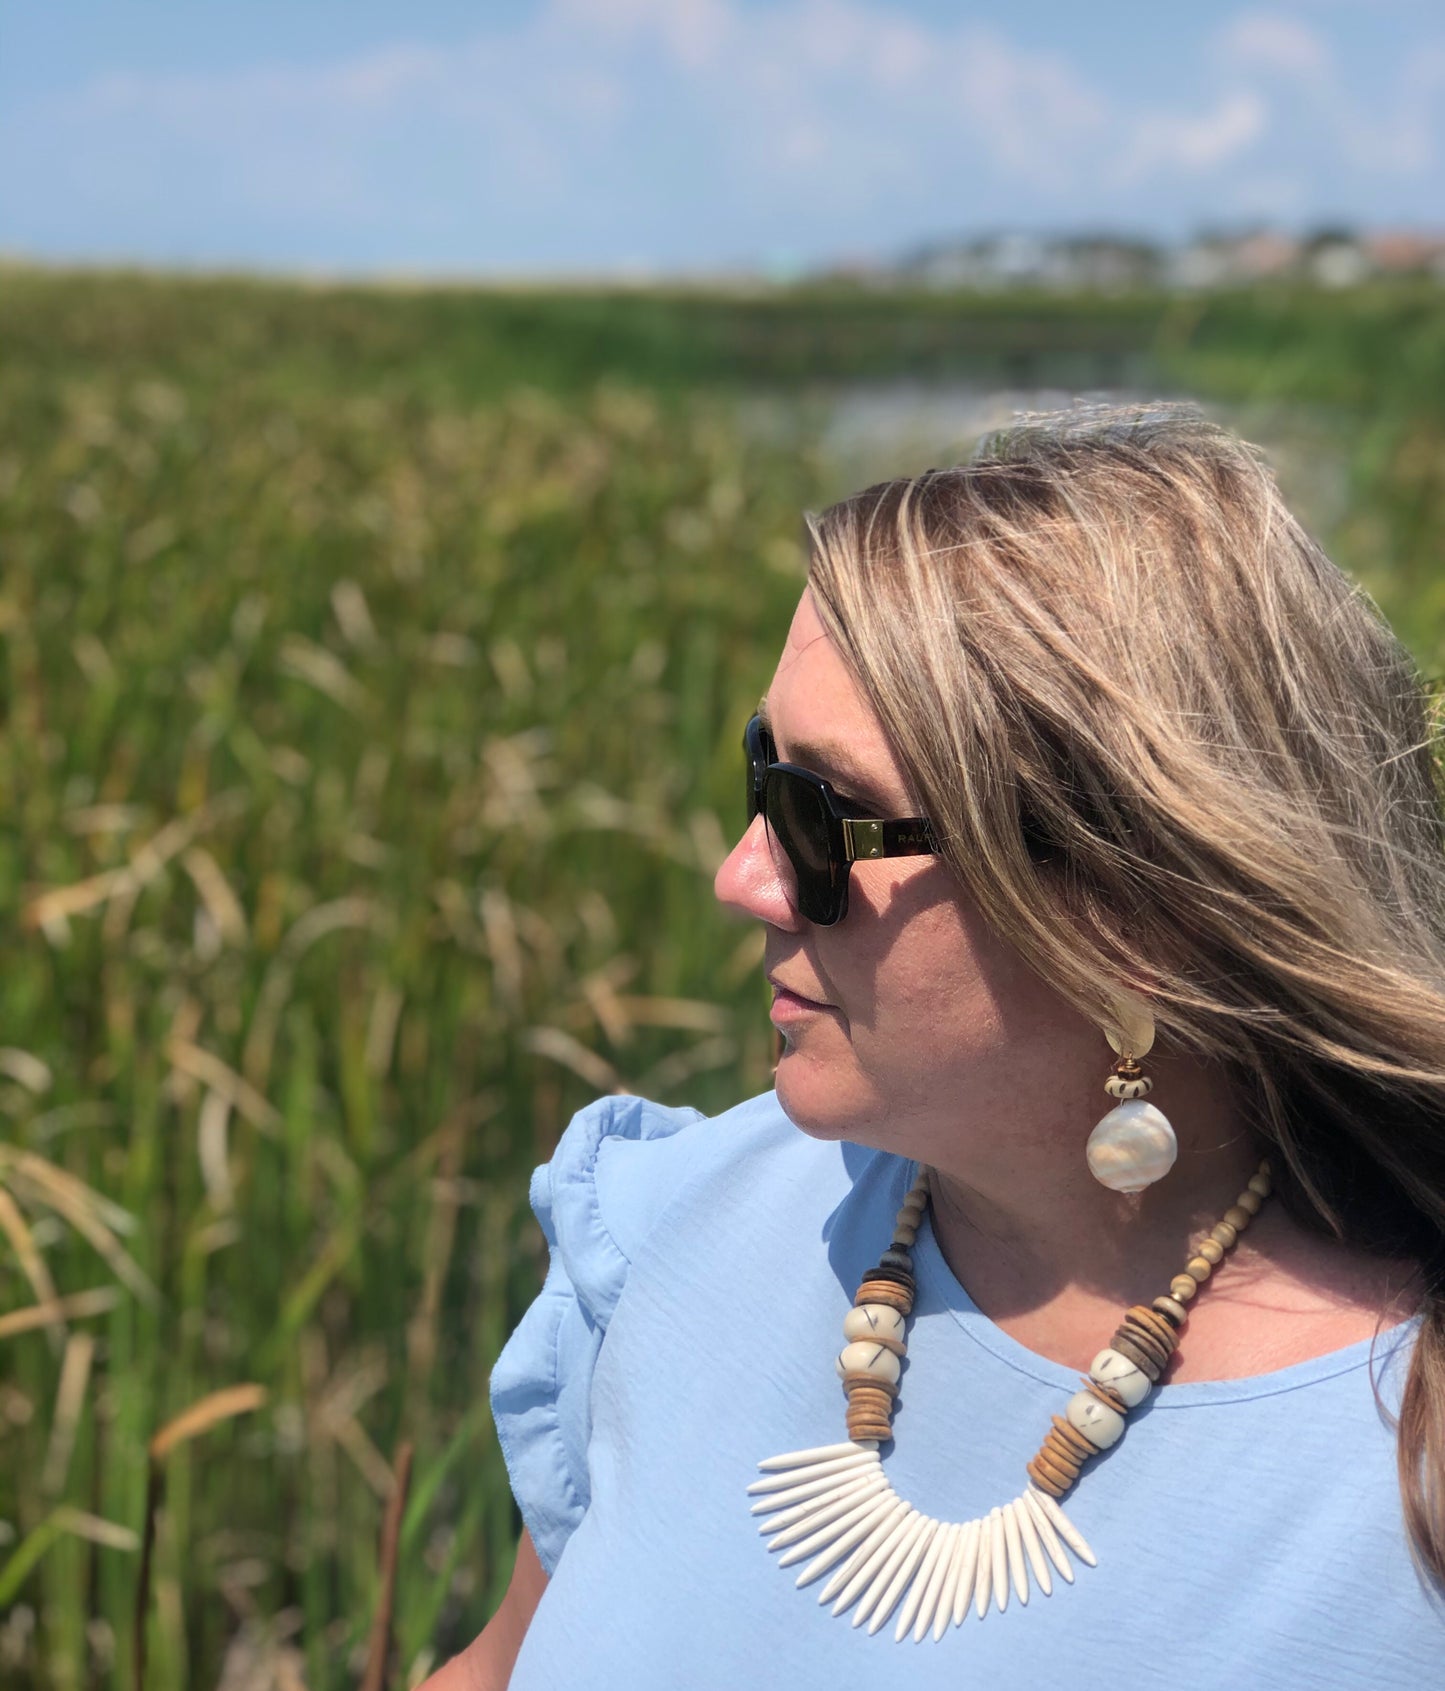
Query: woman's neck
[[1053, 1257]]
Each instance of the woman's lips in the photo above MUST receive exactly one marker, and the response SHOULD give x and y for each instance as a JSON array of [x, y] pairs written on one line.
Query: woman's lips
[[792, 1006]]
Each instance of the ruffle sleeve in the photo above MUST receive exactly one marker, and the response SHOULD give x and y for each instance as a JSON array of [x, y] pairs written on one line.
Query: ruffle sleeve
[[595, 1200]]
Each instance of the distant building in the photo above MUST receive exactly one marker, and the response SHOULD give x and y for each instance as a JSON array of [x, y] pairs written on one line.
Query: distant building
[[1215, 260], [1405, 252], [1015, 258], [1099, 262]]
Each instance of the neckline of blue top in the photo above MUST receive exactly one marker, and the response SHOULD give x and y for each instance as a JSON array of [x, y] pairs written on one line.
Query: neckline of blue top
[[931, 1268]]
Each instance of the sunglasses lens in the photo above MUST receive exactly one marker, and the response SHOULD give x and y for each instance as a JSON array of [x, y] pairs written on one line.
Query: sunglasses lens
[[756, 749], [799, 830]]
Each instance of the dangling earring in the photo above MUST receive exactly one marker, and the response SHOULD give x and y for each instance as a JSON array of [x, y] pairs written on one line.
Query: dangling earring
[[1134, 1145]]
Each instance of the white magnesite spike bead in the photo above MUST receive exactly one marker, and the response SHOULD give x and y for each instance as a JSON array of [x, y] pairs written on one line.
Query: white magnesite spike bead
[[876, 1321], [1114, 1370], [869, 1357], [1117, 1087], [1132, 1147], [1100, 1424]]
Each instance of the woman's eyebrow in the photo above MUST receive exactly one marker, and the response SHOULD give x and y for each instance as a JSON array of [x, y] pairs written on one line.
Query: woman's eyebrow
[[831, 761]]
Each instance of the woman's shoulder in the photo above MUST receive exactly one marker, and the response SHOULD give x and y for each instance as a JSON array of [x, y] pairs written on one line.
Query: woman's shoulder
[[623, 1161]]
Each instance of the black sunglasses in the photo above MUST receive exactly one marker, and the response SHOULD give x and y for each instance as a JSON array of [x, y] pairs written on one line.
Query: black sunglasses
[[819, 837]]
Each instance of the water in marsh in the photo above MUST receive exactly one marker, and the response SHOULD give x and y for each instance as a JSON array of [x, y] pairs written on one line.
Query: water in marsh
[[865, 432]]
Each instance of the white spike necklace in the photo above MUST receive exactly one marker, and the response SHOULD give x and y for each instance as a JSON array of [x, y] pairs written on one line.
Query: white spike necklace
[[839, 1511]]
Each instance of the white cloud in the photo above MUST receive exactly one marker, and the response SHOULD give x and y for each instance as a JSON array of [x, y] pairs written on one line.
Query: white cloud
[[1270, 41], [1202, 143]]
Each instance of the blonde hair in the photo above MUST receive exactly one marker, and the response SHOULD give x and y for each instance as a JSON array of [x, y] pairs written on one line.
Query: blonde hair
[[1139, 703]]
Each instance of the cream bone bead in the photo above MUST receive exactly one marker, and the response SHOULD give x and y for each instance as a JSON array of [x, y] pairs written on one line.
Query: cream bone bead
[[1132, 1147], [1120, 1375], [878, 1322], [1098, 1423], [867, 1356], [1118, 1087]]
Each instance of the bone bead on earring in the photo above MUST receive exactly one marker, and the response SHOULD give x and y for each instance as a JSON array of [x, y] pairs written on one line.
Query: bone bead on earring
[[1134, 1145]]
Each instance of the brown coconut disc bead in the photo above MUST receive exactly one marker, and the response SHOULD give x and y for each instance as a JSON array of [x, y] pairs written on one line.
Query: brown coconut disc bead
[[1151, 1323], [880, 1431], [887, 1292], [1105, 1396], [1142, 1360], [1134, 1335], [860, 1382], [1061, 1456], [1044, 1481], [1146, 1339], [1060, 1472], [1148, 1333], [1154, 1363], [1082, 1447], [1172, 1309]]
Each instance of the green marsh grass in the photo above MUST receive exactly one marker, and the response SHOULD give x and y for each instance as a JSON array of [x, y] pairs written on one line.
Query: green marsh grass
[[373, 668]]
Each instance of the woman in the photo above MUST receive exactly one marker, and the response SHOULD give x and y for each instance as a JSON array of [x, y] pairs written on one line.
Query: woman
[[1157, 805]]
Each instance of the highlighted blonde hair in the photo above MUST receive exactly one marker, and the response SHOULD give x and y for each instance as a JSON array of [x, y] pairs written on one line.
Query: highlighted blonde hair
[[1139, 703]]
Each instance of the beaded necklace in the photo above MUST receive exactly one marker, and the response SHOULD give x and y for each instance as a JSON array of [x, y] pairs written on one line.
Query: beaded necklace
[[839, 1509]]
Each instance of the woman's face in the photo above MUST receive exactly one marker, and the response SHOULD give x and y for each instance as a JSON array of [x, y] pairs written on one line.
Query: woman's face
[[908, 1015]]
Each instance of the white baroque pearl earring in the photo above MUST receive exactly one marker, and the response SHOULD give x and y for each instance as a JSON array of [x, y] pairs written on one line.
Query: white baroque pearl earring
[[1134, 1145]]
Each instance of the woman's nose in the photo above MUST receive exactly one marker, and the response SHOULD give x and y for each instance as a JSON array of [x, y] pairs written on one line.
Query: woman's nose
[[749, 882]]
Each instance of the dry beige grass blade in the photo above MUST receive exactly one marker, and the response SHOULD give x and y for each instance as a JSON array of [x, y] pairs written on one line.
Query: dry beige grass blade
[[323, 670], [371, 1464], [708, 840], [381, 1026], [32, 1264], [572, 1054], [211, 1153], [206, 1067], [100, 1300], [57, 905], [607, 1007], [216, 894], [69, 1402], [745, 958], [26, 1068], [205, 1413], [714, 1053], [147, 862], [108, 1534], [38, 1172], [95, 1218], [499, 927], [691, 1013], [353, 616]]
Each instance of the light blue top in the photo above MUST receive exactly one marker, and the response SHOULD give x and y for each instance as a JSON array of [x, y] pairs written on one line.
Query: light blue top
[[1248, 1532]]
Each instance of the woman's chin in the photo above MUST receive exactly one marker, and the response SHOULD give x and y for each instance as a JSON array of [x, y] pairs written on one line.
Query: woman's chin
[[810, 1100]]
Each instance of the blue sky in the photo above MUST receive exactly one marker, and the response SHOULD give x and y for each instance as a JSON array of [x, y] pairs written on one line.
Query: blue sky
[[527, 137]]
